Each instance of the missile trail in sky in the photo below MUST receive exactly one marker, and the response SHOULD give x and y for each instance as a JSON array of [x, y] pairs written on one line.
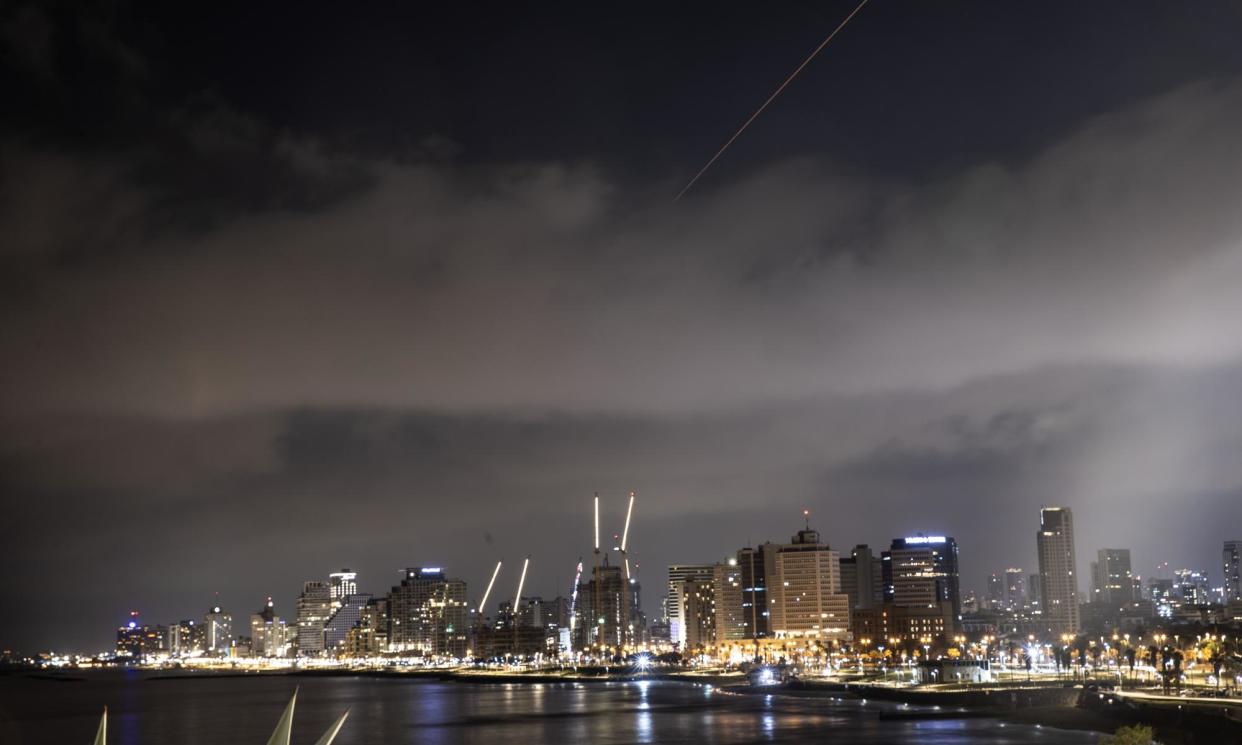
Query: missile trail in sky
[[771, 98]]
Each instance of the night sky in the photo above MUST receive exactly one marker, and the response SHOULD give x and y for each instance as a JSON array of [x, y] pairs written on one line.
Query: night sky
[[286, 289]]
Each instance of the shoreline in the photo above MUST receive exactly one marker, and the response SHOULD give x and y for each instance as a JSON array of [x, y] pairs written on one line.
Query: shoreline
[[1059, 707]]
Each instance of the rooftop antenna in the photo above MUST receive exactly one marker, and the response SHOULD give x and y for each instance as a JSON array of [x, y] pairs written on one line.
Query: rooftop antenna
[[806, 515]]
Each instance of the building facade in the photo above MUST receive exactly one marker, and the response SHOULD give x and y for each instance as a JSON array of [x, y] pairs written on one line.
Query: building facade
[[922, 571], [730, 618], [343, 618], [342, 584], [678, 575], [862, 577], [804, 590], [1057, 570], [1112, 582], [752, 568], [428, 614], [269, 635], [314, 607], [1015, 589], [1231, 559], [218, 631], [606, 613]]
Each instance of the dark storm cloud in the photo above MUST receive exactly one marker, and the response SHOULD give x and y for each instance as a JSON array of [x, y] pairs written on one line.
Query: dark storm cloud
[[238, 355], [539, 285]]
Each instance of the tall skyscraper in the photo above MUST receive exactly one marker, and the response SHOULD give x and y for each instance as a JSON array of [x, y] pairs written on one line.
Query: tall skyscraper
[[697, 598], [137, 641], [1035, 591], [314, 607], [730, 619], [1231, 558], [1015, 588], [996, 592], [427, 614], [186, 639], [1111, 579], [218, 627], [606, 610], [342, 584], [678, 575], [1058, 578], [369, 637], [269, 636], [804, 589], [862, 577], [1191, 586], [921, 571], [336, 628], [752, 566]]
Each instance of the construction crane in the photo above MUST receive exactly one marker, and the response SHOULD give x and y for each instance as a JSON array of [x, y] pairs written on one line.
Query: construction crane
[[625, 534], [596, 528], [486, 593], [517, 599], [573, 605]]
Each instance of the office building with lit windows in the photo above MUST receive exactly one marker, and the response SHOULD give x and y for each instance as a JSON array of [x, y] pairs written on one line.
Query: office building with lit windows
[[1058, 576], [428, 613]]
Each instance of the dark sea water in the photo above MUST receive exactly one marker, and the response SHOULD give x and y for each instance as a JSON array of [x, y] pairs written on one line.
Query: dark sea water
[[385, 711]]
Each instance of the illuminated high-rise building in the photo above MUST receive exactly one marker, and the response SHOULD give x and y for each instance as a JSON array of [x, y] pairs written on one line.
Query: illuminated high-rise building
[[1191, 586], [1057, 571], [862, 577], [921, 571], [314, 607], [1015, 588], [1035, 591], [137, 641], [218, 630], [369, 637], [730, 621], [269, 634], [804, 590], [1111, 579], [996, 592], [186, 639], [427, 614], [1231, 559], [346, 614], [697, 599], [752, 567], [606, 610], [678, 575], [341, 585]]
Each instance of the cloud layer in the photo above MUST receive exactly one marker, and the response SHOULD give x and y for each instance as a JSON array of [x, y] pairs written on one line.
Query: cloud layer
[[229, 346]]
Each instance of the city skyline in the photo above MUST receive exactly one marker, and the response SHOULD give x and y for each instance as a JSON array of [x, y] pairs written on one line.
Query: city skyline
[[397, 286], [342, 586]]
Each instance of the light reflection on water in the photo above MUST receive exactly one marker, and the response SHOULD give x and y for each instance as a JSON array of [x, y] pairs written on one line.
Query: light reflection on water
[[236, 711]]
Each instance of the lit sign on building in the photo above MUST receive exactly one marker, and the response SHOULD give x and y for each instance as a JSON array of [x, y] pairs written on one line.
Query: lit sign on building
[[926, 539]]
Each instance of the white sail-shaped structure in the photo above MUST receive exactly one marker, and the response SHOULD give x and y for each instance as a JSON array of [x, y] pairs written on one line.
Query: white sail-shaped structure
[[330, 735], [101, 734], [284, 728]]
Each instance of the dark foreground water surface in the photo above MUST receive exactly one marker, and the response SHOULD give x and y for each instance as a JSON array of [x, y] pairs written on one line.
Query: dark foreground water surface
[[384, 711]]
